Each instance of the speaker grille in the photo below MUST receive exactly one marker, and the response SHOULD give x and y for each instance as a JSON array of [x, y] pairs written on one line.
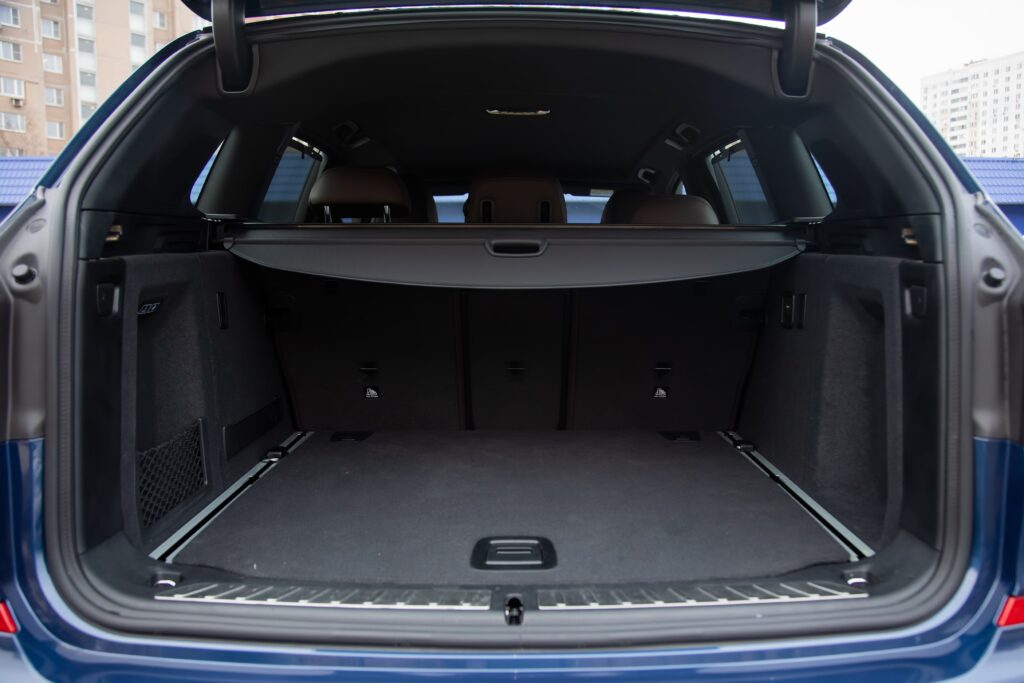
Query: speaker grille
[[169, 474]]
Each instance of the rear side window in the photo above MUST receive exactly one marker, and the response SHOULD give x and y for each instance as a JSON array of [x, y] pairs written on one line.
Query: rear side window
[[739, 185], [200, 181], [289, 186], [831, 191]]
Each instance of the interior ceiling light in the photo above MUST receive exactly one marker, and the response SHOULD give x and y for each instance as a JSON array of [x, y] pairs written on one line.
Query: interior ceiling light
[[518, 112]]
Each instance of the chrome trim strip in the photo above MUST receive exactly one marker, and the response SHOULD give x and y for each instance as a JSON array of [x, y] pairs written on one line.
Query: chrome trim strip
[[194, 526], [845, 536]]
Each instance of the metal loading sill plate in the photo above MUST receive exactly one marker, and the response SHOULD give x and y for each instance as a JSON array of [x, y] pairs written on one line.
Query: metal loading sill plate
[[694, 595], [555, 599], [319, 596]]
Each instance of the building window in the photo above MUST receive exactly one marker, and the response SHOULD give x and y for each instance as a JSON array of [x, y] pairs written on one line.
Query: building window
[[11, 152], [137, 8], [87, 109], [138, 40], [53, 63], [84, 11], [12, 122], [54, 97], [12, 87], [51, 29], [87, 78], [87, 46], [159, 20], [10, 16], [55, 130], [10, 51]]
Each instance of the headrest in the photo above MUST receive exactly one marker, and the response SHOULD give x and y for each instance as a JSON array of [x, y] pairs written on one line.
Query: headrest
[[519, 199], [422, 207], [674, 209], [621, 205], [360, 192]]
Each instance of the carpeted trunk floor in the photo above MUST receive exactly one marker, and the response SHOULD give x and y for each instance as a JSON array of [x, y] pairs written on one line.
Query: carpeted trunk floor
[[407, 507]]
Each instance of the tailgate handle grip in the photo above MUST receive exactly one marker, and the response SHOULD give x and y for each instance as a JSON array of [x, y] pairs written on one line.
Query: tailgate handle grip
[[518, 248]]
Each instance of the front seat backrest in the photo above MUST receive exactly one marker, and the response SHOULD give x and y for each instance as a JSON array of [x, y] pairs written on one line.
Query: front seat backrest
[[674, 209], [516, 199], [369, 194], [621, 206]]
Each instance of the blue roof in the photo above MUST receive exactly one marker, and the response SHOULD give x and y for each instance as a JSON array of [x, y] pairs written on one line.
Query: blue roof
[[1002, 179], [19, 176]]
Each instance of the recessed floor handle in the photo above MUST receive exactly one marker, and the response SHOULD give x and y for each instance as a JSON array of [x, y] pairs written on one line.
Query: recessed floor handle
[[516, 247]]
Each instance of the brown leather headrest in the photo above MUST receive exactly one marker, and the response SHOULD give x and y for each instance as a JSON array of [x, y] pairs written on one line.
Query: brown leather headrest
[[516, 199], [621, 206], [360, 192], [674, 209]]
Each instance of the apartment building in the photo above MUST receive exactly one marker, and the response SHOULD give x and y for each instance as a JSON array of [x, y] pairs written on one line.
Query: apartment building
[[60, 58], [978, 106]]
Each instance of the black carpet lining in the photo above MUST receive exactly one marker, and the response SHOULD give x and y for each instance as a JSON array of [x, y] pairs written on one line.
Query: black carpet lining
[[407, 507]]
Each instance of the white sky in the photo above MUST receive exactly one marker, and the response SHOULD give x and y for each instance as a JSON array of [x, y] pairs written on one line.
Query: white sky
[[910, 39]]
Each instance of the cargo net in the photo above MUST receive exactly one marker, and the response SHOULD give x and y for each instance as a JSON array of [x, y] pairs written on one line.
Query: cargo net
[[169, 474]]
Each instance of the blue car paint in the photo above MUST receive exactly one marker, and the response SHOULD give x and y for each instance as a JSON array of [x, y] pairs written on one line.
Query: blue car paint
[[961, 638]]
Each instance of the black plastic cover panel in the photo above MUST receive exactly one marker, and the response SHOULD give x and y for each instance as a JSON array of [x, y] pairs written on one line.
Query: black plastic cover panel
[[514, 258]]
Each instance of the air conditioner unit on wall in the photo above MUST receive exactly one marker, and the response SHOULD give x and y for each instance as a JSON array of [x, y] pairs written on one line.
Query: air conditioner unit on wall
[[18, 101]]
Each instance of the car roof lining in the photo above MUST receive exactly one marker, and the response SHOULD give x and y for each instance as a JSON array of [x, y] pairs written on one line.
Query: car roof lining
[[418, 90]]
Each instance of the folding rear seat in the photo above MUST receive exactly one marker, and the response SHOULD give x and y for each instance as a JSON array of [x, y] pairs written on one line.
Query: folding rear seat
[[362, 356], [516, 199], [367, 194], [516, 340]]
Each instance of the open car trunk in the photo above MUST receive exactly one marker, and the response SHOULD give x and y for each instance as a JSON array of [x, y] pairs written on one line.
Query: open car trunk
[[281, 421], [294, 439]]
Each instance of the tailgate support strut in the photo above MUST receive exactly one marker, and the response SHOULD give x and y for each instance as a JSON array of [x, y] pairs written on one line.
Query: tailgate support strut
[[797, 52], [235, 60]]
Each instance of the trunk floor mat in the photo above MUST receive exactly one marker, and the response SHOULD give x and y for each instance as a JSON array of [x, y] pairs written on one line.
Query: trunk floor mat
[[408, 507]]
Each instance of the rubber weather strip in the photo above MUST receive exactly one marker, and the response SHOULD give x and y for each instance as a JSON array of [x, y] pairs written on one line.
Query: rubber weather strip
[[177, 541], [853, 544]]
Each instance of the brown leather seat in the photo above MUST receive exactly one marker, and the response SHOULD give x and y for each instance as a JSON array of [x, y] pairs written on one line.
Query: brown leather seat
[[621, 205], [422, 207], [674, 209], [516, 199], [368, 194]]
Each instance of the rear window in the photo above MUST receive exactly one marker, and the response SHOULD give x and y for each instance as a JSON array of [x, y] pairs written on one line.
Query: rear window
[[739, 184], [579, 208]]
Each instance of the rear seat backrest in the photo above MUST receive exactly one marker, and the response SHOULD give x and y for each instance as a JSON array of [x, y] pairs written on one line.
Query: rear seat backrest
[[621, 206], [674, 209], [364, 193], [516, 199], [422, 207]]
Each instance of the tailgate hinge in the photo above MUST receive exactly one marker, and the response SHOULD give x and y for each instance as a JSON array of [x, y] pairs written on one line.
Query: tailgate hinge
[[797, 52], [236, 58]]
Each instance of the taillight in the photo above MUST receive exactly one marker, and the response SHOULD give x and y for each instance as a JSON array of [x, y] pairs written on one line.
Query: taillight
[[1013, 611], [7, 624]]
